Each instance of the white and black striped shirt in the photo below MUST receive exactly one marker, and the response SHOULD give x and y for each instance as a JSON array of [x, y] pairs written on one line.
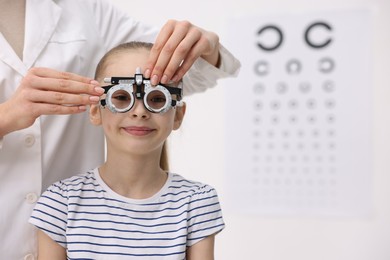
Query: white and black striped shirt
[[92, 222]]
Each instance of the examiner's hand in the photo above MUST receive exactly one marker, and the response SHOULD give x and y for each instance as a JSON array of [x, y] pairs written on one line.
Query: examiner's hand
[[45, 91], [177, 46]]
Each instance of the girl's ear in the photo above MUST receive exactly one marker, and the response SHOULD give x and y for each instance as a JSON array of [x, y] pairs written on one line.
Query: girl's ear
[[179, 115], [95, 115]]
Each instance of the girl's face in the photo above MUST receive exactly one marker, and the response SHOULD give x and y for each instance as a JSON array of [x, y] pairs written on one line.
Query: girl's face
[[138, 130]]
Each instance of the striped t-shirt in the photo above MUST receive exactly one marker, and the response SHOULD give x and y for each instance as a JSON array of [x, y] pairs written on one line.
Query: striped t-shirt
[[91, 221]]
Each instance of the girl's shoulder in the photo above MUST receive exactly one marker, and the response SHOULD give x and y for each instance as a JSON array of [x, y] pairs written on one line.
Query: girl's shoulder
[[179, 184], [75, 183]]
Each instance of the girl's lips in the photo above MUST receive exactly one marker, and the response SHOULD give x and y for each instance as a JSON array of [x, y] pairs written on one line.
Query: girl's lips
[[138, 131]]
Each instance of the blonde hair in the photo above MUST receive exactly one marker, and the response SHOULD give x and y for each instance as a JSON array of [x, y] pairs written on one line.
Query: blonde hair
[[164, 162]]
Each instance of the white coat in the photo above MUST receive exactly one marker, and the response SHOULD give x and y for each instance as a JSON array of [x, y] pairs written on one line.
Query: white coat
[[66, 35]]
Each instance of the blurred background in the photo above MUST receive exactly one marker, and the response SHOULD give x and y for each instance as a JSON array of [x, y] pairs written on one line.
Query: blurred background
[[351, 221]]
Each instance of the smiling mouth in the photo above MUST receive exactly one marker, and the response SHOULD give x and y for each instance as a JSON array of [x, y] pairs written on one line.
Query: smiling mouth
[[138, 131]]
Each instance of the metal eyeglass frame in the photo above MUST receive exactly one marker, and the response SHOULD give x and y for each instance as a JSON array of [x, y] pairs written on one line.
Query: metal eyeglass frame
[[143, 88]]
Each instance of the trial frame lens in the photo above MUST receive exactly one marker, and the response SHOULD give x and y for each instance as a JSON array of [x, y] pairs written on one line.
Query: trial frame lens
[[119, 98]]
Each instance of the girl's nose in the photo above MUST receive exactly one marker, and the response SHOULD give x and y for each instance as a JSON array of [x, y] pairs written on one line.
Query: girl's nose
[[139, 110]]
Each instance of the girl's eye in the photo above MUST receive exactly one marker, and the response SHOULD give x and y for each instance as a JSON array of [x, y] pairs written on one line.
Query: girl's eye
[[121, 97], [158, 99]]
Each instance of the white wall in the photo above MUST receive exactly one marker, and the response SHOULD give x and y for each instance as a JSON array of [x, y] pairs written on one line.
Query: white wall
[[197, 149]]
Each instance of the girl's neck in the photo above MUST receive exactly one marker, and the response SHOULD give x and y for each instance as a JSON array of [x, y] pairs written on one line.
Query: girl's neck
[[136, 177]]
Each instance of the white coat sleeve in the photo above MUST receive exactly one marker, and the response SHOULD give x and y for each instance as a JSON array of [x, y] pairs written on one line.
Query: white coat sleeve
[[203, 75]]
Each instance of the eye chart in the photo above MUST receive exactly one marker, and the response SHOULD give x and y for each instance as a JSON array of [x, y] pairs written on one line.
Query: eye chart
[[298, 117]]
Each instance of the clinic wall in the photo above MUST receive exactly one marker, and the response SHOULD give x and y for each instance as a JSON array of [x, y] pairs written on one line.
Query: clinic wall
[[197, 148]]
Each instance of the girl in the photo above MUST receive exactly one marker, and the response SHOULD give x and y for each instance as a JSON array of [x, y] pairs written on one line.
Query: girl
[[131, 206]]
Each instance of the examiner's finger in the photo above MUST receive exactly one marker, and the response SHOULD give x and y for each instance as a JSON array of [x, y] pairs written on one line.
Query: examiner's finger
[[48, 79], [53, 109], [60, 98], [50, 73], [190, 59], [163, 36], [164, 49], [188, 50], [66, 86]]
